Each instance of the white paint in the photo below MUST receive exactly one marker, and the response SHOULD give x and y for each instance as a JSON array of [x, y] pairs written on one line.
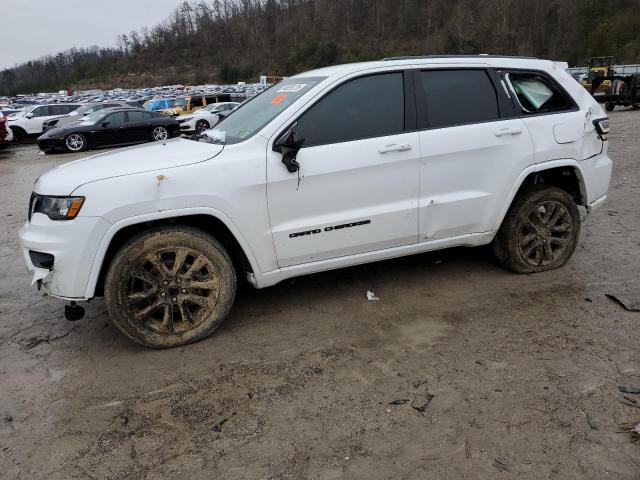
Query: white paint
[[392, 196]]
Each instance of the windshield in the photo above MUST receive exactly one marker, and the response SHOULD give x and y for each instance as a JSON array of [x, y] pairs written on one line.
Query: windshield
[[93, 109], [211, 107], [254, 114]]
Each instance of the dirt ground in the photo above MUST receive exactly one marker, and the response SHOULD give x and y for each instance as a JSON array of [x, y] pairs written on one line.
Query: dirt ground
[[300, 382]]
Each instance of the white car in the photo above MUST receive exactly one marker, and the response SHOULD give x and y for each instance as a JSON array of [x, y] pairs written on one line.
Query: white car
[[29, 122], [204, 119], [335, 167]]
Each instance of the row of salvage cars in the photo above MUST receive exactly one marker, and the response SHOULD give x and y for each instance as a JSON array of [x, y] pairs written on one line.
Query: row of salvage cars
[[78, 127]]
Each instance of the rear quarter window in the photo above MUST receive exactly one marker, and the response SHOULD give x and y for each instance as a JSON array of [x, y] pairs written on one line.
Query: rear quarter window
[[535, 93]]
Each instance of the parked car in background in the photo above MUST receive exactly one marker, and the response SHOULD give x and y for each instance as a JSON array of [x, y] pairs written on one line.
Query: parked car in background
[[9, 111], [110, 127], [205, 118], [191, 103], [28, 123], [336, 167], [159, 104], [4, 131], [80, 113]]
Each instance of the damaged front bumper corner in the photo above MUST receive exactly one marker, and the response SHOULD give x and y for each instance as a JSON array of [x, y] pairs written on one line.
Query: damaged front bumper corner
[[70, 247]]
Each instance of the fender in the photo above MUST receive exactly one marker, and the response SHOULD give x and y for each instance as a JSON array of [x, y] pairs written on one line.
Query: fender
[[540, 167], [165, 214]]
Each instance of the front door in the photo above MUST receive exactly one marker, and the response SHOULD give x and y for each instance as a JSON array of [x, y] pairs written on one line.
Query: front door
[[473, 150], [358, 185], [108, 131]]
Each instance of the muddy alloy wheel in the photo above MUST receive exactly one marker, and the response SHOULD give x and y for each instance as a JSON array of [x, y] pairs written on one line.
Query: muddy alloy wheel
[[201, 126], [540, 231], [76, 142], [170, 287], [545, 233], [159, 134]]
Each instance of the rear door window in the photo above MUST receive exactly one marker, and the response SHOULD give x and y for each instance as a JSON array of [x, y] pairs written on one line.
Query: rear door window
[[196, 102], [535, 93], [135, 116], [458, 97], [366, 107]]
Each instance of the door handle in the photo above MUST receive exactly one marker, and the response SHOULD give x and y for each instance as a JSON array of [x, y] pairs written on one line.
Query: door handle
[[509, 131], [396, 147]]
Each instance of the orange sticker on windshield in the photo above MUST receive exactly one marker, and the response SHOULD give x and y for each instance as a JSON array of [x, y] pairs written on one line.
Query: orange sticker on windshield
[[278, 100]]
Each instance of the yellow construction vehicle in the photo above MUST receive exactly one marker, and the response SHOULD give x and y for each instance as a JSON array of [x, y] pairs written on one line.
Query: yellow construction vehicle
[[600, 72]]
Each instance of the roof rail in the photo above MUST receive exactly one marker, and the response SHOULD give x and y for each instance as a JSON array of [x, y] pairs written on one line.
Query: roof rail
[[483, 55]]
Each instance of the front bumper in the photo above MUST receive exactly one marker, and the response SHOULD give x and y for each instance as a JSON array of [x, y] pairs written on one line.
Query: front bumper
[[51, 144], [72, 243], [187, 127]]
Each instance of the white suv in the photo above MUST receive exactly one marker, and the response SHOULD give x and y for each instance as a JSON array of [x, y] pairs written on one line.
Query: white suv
[[330, 168], [29, 123]]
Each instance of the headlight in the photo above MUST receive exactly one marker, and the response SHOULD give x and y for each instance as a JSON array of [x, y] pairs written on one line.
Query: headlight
[[56, 208]]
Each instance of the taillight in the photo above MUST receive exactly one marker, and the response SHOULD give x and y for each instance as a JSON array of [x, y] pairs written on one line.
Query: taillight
[[602, 127]]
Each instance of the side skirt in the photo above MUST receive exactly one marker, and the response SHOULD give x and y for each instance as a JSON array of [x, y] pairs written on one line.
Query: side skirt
[[268, 279]]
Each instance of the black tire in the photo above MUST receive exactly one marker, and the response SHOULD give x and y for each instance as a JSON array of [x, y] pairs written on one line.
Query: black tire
[[19, 135], [540, 231], [201, 126], [160, 304], [75, 143], [609, 107]]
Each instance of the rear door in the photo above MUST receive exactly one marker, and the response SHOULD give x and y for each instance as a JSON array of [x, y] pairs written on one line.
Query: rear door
[[473, 148], [357, 189], [139, 126]]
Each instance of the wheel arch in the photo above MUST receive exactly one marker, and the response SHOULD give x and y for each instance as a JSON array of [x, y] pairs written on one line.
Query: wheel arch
[[213, 223], [18, 132], [563, 174]]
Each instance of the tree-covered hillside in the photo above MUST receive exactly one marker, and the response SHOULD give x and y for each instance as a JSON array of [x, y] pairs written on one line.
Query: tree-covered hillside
[[230, 40]]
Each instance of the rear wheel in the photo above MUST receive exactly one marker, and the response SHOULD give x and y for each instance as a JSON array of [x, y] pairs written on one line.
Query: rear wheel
[[159, 134], [76, 142], [170, 287], [201, 126], [540, 232], [609, 106]]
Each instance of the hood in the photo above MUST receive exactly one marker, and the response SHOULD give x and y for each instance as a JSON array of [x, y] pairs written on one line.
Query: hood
[[63, 180]]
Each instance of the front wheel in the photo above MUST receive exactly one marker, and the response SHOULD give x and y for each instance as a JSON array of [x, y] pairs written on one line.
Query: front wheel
[[159, 134], [76, 142], [540, 232], [201, 126], [170, 287], [609, 106]]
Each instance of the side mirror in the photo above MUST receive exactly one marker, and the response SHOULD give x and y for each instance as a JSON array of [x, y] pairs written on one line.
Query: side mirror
[[289, 147], [30, 115], [105, 124]]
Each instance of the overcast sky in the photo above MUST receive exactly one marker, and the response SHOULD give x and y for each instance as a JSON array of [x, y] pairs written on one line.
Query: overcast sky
[[32, 28]]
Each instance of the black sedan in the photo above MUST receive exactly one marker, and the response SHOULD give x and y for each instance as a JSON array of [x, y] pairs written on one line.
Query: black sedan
[[110, 127]]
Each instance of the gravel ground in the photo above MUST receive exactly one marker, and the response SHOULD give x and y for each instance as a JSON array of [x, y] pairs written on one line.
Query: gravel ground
[[460, 370]]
